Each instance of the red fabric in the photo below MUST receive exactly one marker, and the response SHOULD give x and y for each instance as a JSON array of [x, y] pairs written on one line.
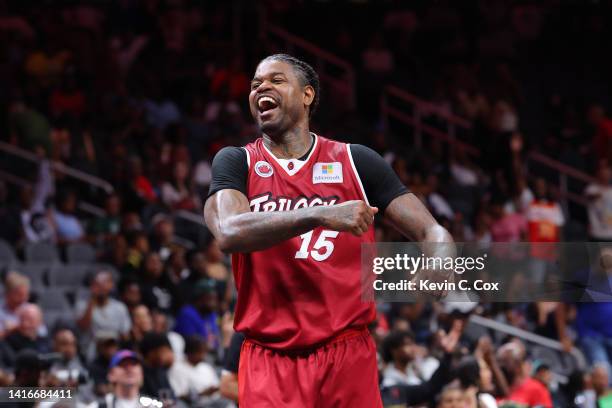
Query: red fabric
[[543, 227], [73, 103], [144, 188], [531, 392], [509, 228], [286, 301], [340, 374], [237, 83]]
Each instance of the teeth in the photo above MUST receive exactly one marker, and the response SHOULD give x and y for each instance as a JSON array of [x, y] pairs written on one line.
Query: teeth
[[265, 99]]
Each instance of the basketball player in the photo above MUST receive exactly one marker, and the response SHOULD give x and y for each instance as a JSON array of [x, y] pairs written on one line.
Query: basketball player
[[293, 208]]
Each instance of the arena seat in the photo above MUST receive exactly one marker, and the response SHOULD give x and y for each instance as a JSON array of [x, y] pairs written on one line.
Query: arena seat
[[41, 252], [80, 253], [53, 299], [7, 254], [69, 275]]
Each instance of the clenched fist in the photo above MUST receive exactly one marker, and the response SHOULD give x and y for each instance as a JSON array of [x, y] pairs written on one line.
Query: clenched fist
[[354, 216]]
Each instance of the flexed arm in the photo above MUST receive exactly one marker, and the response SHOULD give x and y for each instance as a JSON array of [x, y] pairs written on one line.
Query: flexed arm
[[229, 218]]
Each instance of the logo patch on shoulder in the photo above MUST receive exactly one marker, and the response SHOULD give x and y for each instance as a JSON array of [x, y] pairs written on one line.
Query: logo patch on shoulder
[[327, 173], [263, 169]]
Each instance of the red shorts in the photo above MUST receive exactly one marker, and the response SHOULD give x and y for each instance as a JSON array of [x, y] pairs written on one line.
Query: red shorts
[[341, 373]]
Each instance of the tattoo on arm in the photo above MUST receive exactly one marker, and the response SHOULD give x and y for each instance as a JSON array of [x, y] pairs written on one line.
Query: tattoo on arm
[[228, 216]]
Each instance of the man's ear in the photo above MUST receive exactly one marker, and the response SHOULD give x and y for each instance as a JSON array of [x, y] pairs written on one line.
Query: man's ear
[[309, 95]]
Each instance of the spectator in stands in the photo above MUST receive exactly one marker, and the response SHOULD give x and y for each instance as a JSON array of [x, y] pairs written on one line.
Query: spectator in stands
[[523, 388], [492, 379], [160, 109], [28, 369], [68, 227], [451, 397], [599, 195], [436, 201], [398, 351], [110, 223], [176, 194], [29, 128], [154, 284], [445, 344], [126, 378], [506, 227], [101, 312], [202, 176], [218, 270], [542, 373], [140, 190], [200, 315], [163, 239], [176, 273], [138, 246], [142, 323], [67, 99], [36, 225], [192, 378], [469, 375], [68, 371], [197, 271], [107, 344], [27, 334], [16, 294], [129, 293], [157, 359], [161, 325], [544, 222]]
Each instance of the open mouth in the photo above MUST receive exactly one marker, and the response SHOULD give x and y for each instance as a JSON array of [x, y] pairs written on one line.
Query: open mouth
[[266, 103]]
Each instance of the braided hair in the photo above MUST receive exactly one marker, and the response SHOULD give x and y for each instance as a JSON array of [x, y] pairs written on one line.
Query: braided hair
[[306, 75]]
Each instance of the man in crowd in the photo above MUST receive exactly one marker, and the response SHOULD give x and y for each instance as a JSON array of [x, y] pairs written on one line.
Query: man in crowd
[[192, 378], [27, 334], [157, 359], [200, 316], [126, 377], [101, 312], [107, 344], [68, 370], [17, 293]]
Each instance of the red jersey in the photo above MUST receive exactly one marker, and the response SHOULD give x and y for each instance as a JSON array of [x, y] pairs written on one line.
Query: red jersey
[[303, 291]]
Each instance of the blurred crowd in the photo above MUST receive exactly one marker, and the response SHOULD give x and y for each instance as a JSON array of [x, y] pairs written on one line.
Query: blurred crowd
[[142, 94]]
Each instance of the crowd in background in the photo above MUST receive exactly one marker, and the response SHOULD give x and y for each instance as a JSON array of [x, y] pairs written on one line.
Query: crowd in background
[[142, 94]]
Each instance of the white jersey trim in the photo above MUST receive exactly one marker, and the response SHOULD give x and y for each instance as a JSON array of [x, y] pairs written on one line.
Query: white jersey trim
[[248, 158], [350, 155]]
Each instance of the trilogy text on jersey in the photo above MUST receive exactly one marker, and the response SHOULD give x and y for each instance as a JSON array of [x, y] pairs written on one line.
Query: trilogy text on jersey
[[266, 202]]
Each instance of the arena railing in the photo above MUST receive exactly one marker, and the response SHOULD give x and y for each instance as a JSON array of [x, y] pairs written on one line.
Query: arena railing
[[58, 166], [331, 68], [82, 205], [86, 178], [541, 347], [409, 109]]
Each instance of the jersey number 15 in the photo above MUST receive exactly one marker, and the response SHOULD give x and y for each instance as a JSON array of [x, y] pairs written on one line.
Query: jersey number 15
[[321, 250]]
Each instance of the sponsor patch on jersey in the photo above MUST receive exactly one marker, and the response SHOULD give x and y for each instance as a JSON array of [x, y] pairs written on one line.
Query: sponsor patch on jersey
[[327, 173], [263, 169]]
